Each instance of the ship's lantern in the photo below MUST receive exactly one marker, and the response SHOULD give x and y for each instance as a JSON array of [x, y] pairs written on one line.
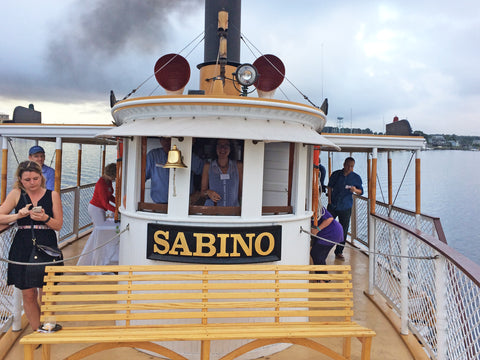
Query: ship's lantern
[[246, 75]]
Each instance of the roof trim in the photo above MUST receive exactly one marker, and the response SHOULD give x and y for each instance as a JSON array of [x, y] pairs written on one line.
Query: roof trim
[[223, 127]]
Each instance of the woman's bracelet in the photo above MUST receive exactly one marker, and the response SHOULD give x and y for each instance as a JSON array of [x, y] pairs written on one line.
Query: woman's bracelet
[[48, 219]]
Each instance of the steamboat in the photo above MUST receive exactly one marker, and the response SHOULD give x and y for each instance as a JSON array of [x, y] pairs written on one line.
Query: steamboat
[[401, 260]]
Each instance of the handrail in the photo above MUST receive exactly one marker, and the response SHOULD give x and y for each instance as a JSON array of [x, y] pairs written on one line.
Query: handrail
[[470, 268]]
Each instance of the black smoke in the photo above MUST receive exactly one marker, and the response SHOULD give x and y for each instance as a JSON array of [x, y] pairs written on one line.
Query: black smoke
[[94, 47]]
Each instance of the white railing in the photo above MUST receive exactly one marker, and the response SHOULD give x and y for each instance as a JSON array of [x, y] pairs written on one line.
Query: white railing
[[75, 219], [75, 211], [7, 296], [359, 224], [433, 289]]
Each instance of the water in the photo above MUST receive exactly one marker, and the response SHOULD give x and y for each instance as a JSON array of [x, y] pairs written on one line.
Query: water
[[449, 190], [91, 160]]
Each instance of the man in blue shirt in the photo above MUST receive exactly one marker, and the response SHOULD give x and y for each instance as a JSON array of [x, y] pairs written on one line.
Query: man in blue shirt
[[159, 176], [342, 185], [37, 154]]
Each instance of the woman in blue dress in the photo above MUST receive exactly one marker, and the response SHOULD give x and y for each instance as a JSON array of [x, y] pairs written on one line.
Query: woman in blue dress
[[222, 178]]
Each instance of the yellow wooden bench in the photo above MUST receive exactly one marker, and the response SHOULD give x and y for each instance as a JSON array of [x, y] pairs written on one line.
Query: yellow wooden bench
[[265, 303]]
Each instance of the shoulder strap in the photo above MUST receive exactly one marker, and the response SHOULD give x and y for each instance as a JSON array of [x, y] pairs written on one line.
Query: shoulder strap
[[31, 221]]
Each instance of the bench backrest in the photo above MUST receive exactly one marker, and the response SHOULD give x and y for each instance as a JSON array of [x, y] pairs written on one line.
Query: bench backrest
[[202, 294]]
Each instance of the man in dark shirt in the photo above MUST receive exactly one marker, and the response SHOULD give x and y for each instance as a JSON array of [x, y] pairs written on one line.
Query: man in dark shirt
[[342, 185], [323, 173]]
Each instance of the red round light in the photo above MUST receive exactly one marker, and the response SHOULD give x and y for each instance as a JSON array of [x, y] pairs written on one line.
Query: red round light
[[172, 72], [271, 71]]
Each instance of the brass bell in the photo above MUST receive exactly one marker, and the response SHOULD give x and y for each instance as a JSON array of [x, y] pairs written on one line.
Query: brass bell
[[175, 159]]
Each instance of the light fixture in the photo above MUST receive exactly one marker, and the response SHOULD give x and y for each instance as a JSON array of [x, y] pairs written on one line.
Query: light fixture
[[246, 75], [174, 161]]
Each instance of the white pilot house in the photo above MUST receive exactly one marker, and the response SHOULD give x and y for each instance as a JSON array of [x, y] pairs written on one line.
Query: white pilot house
[[272, 140]]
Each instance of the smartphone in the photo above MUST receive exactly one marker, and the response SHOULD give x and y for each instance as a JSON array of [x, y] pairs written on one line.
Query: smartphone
[[37, 209]]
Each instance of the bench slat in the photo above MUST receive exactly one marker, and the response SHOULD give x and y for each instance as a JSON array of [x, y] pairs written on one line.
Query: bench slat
[[189, 268], [263, 314], [246, 331], [114, 297], [197, 305], [101, 287], [215, 276]]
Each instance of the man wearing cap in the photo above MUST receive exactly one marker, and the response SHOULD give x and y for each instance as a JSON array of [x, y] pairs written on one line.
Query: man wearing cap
[[37, 154]]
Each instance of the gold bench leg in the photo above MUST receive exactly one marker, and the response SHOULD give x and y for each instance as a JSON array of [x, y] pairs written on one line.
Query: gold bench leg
[[45, 352], [205, 350], [347, 347], [366, 348], [28, 351]]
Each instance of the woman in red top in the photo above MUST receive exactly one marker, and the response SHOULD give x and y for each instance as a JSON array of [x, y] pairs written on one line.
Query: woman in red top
[[103, 199]]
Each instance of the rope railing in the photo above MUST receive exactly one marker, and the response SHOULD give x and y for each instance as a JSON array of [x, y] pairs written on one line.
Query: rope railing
[[70, 258], [368, 252]]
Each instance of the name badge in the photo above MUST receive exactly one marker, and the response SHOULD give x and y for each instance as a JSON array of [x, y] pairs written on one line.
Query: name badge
[[224, 176]]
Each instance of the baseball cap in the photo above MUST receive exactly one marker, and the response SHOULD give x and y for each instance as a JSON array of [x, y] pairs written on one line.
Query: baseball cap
[[35, 149]]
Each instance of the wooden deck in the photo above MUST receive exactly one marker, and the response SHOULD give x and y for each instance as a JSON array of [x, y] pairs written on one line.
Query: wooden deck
[[387, 345]]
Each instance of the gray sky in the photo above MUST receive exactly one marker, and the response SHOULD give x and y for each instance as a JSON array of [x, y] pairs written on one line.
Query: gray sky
[[372, 59]]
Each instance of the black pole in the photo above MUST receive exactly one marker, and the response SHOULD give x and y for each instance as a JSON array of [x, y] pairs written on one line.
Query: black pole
[[212, 7]]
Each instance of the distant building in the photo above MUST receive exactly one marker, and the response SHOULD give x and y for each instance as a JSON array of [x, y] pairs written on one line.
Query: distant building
[[4, 117], [399, 127], [438, 140]]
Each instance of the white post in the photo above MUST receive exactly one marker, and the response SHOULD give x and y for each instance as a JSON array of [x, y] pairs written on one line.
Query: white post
[[131, 176], [404, 283], [300, 179], [417, 190], [179, 183], [252, 190], [17, 309], [441, 295]]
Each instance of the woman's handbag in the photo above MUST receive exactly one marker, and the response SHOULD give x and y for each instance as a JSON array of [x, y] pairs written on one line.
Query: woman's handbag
[[41, 254]]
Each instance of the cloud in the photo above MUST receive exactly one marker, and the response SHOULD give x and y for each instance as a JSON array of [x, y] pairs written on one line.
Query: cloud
[[95, 46], [372, 59]]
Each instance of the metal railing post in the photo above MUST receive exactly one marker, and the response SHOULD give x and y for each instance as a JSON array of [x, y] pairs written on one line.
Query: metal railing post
[[76, 212], [17, 310], [371, 257], [404, 283], [441, 309], [353, 222]]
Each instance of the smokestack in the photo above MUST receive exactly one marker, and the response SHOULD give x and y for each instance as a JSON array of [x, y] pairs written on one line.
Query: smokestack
[[212, 39], [222, 44]]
